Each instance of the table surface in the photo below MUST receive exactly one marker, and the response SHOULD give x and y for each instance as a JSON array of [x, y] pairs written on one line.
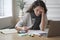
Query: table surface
[[15, 36]]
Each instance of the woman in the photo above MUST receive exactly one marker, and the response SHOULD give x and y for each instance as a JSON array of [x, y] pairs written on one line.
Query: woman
[[35, 18]]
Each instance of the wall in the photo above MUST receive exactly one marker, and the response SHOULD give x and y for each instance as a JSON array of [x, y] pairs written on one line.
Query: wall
[[53, 9], [5, 22]]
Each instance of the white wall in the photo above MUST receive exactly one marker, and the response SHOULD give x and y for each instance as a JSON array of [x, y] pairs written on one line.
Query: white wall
[[5, 22], [53, 9]]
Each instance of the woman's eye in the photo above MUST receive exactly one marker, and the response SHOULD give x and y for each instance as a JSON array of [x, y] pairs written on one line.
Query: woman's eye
[[37, 10]]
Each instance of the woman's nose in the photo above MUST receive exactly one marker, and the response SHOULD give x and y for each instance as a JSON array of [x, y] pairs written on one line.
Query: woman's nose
[[38, 11]]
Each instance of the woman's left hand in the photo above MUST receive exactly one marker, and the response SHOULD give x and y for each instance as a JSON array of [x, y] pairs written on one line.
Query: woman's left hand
[[42, 10]]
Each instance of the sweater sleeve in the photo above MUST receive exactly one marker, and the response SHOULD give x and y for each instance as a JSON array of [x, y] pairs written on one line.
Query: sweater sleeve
[[22, 21]]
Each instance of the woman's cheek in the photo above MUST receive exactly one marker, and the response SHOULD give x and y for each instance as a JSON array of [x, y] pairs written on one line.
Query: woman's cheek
[[36, 12]]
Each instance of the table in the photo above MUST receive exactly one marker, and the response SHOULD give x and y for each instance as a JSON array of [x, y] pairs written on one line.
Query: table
[[14, 36]]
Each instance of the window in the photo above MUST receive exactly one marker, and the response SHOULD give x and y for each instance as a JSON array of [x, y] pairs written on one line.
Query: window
[[1, 7], [5, 8]]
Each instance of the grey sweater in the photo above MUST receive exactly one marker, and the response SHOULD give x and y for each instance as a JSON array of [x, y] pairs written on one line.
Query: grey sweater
[[27, 21]]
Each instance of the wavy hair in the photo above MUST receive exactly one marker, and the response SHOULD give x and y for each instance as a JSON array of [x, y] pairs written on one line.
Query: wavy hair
[[35, 4]]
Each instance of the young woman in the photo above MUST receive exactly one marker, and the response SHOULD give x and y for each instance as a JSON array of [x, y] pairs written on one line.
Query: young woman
[[35, 18]]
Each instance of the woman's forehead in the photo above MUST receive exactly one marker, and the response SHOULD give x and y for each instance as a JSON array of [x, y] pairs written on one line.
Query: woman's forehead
[[38, 7]]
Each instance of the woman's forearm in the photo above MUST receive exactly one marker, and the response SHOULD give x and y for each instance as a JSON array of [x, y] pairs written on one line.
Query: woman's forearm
[[43, 22], [25, 28]]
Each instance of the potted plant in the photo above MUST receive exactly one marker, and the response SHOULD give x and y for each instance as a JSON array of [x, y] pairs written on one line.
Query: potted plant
[[21, 3]]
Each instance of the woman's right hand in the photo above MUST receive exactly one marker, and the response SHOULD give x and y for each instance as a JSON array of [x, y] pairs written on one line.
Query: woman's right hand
[[25, 28]]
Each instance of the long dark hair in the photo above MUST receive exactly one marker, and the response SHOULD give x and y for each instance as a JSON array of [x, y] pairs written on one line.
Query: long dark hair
[[35, 4]]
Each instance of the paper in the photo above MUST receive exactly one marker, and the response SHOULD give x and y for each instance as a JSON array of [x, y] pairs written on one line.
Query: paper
[[6, 31], [36, 32]]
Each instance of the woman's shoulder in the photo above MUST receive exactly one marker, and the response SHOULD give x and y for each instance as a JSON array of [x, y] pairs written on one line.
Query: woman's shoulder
[[27, 14]]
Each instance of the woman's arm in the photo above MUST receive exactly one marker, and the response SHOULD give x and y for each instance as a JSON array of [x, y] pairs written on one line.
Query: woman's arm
[[43, 22], [21, 24], [22, 28]]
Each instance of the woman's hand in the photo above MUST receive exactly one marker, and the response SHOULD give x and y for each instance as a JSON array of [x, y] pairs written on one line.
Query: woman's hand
[[25, 28], [42, 11]]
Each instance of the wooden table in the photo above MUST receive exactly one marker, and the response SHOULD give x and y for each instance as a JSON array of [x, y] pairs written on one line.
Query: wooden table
[[15, 36]]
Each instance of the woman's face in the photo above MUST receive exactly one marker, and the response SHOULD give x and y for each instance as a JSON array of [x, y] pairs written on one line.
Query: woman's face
[[38, 10]]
